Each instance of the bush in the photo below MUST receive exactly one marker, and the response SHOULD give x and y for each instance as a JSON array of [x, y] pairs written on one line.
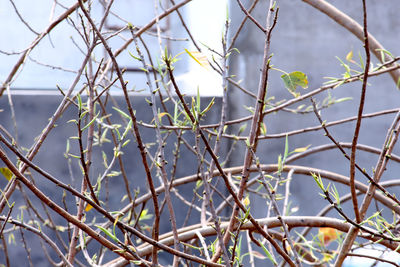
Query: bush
[[188, 204]]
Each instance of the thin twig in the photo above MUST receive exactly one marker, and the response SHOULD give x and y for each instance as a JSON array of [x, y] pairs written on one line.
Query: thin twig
[[351, 25]]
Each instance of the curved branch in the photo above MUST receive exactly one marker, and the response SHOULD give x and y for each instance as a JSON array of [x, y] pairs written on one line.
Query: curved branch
[[355, 28], [190, 232], [269, 168]]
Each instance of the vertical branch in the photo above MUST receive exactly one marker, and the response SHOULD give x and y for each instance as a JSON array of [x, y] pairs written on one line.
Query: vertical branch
[[160, 160], [275, 208], [86, 160], [359, 117], [256, 121], [238, 202], [207, 201], [217, 145], [155, 231], [348, 242]]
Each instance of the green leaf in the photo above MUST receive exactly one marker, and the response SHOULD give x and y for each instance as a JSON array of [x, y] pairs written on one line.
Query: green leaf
[[242, 128], [383, 52], [108, 233], [294, 79], [318, 180], [370, 218], [198, 100], [90, 123], [263, 128], [6, 173], [343, 99], [11, 239], [247, 141], [269, 255], [122, 113], [286, 148], [79, 101], [126, 142], [83, 114], [208, 107], [74, 156], [135, 57]]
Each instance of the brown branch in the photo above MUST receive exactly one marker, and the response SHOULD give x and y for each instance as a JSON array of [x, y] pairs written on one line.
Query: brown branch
[[235, 36], [39, 233], [257, 119], [161, 155], [350, 238], [190, 232], [359, 117], [378, 259], [363, 171], [221, 171], [248, 15], [70, 218]]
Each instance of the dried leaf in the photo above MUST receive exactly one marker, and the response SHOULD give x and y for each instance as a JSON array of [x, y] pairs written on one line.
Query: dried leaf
[[88, 207], [327, 235]]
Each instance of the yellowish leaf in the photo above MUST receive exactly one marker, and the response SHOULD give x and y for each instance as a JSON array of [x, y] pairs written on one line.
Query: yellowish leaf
[[162, 114], [349, 57], [327, 257], [61, 228], [6, 173], [301, 149], [246, 201], [199, 57], [293, 80]]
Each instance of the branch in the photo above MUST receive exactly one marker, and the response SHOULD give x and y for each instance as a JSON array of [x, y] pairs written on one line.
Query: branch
[[191, 232]]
